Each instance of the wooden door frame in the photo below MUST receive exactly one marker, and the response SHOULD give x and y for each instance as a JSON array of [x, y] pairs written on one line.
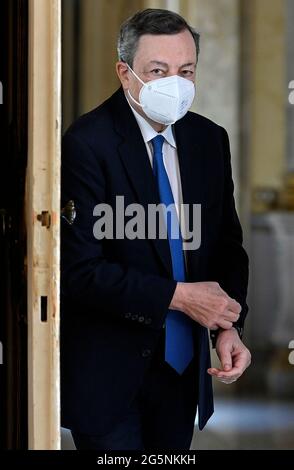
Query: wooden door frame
[[43, 222]]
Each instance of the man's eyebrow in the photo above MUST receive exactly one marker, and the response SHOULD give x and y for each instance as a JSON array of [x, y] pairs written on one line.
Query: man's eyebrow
[[164, 64], [189, 64], [157, 62]]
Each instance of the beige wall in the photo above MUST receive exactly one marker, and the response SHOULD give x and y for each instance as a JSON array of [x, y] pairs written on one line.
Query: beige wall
[[217, 81], [268, 92]]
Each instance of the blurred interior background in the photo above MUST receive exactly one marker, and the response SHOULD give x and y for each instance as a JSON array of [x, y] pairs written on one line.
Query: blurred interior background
[[244, 82]]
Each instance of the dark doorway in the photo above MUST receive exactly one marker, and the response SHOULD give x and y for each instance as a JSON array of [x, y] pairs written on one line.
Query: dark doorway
[[13, 309]]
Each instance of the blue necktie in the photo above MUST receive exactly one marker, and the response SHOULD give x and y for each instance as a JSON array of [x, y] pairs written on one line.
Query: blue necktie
[[179, 349]]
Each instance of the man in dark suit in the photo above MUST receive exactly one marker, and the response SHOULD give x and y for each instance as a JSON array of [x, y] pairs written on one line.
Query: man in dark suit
[[136, 311]]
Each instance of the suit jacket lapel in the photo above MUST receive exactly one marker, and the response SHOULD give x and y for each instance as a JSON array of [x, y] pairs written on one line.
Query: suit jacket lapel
[[133, 153]]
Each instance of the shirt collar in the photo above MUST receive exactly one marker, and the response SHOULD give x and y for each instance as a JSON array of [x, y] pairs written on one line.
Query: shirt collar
[[149, 133]]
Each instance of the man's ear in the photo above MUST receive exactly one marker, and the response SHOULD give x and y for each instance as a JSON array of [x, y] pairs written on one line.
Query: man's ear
[[123, 74]]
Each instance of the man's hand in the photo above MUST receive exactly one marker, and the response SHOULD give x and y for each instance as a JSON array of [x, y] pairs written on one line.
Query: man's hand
[[207, 303], [233, 355]]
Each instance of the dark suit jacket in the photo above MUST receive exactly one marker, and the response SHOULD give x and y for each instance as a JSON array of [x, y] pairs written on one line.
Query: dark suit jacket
[[116, 293]]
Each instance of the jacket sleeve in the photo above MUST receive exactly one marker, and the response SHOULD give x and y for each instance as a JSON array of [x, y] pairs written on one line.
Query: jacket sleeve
[[89, 280], [231, 260]]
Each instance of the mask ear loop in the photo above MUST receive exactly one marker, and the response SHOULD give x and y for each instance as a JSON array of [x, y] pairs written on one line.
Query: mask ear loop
[[138, 78], [141, 81]]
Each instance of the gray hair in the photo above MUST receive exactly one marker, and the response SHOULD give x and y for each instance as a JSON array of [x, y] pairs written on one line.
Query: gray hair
[[150, 21]]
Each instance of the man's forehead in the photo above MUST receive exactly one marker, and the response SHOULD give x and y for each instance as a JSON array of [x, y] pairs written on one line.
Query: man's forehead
[[183, 38], [166, 49]]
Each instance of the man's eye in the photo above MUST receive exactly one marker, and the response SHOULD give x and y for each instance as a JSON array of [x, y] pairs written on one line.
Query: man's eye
[[157, 72], [187, 73]]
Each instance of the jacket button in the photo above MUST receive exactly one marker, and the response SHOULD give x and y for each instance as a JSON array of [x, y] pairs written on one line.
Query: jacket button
[[135, 316], [146, 352], [128, 315], [141, 319], [148, 321]]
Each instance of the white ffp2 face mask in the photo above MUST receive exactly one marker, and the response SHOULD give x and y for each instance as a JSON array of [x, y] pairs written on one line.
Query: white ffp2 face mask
[[165, 100]]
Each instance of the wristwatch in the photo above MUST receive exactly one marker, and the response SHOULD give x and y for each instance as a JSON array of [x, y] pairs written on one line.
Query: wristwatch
[[214, 334], [240, 330]]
